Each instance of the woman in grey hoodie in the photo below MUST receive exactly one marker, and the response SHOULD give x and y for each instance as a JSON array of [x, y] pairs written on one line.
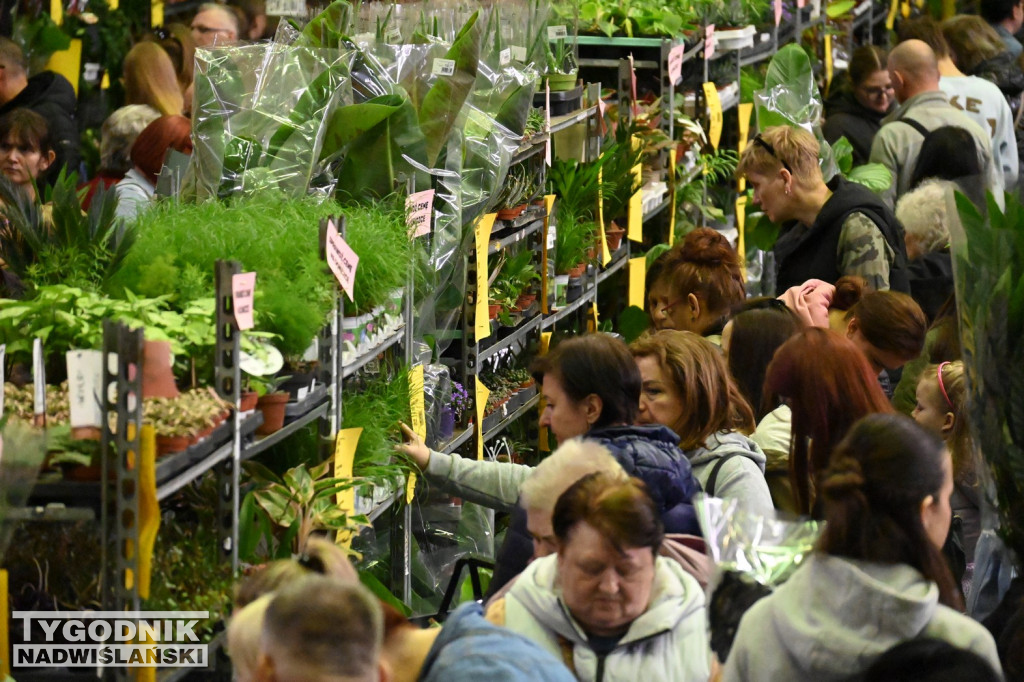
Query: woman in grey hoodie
[[687, 387], [878, 576]]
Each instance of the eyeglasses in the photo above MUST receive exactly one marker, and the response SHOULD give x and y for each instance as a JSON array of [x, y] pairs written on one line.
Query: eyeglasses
[[759, 141], [885, 90], [667, 309]]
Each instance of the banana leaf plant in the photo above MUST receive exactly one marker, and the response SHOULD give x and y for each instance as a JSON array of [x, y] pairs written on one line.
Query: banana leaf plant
[[988, 259]]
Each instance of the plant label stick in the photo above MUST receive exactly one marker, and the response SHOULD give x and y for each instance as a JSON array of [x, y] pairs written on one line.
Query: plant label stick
[[519, 53], [778, 12], [419, 208], [505, 56], [709, 40], [243, 291], [714, 114], [675, 63], [38, 382], [342, 260], [557, 32], [85, 377]]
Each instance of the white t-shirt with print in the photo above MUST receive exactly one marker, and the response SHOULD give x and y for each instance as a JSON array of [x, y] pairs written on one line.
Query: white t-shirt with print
[[983, 101]]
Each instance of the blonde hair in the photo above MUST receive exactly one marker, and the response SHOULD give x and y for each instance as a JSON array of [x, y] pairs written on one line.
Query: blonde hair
[[972, 40], [566, 465], [959, 441], [244, 631], [712, 401], [922, 212], [149, 78], [320, 556], [794, 147]]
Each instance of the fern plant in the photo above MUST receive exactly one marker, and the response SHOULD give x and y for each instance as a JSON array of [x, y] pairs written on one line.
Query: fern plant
[[989, 269]]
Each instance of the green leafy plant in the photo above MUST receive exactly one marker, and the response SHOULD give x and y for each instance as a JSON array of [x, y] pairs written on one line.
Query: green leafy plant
[[302, 500], [276, 238], [377, 407], [62, 244], [989, 269], [572, 242], [377, 232], [39, 37]]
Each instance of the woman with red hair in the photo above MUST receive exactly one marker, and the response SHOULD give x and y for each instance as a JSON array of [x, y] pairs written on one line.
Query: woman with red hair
[[138, 187], [829, 385]]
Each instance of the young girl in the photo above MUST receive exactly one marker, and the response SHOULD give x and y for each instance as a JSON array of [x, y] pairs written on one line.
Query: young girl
[[942, 408], [26, 149]]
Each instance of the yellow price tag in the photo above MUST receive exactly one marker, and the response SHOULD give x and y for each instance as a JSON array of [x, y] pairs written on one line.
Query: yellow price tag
[[636, 208], [673, 159], [344, 458], [5, 634], [57, 11], [741, 223], [714, 114], [594, 318], [890, 19], [637, 275], [605, 255], [156, 13], [828, 61], [482, 232], [549, 204], [418, 417], [149, 507], [482, 394], [745, 109], [68, 63]]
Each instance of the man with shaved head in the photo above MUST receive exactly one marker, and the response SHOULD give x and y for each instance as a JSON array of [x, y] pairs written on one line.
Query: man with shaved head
[[923, 107]]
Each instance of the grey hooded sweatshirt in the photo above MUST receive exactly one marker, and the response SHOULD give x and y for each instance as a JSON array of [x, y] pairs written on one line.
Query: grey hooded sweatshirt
[[668, 641], [740, 477], [835, 616]]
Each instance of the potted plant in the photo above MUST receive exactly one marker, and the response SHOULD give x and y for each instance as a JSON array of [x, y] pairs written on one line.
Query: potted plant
[[271, 402], [520, 186], [562, 67]]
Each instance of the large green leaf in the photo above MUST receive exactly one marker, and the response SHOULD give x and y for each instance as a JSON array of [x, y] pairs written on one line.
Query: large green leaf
[[874, 176], [349, 122], [790, 67], [441, 106]]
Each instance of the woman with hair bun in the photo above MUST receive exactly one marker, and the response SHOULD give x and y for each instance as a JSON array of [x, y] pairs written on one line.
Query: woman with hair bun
[[877, 576], [138, 187], [828, 230], [698, 282]]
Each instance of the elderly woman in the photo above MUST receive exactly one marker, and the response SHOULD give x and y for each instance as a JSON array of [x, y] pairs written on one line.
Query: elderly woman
[[922, 212], [117, 136], [606, 603], [137, 190], [828, 230]]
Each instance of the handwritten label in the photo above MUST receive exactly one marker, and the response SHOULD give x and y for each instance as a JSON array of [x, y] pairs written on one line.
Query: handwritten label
[[342, 260], [243, 290], [556, 32], [393, 36], [801, 4], [709, 41], [482, 234], [602, 107], [714, 114], [344, 458], [418, 419], [482, 394], [675, 63], [38, 379], [505, 56], [637, 275], [519, 53], [419, 211], [636, 207], [443, 67], [85, 382], [778, 12], [286, 8]]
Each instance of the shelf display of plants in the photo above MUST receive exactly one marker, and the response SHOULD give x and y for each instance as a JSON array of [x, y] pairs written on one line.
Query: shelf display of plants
[[631, 19], [512, 290], [521, 186], [510, 389], [181, 422]]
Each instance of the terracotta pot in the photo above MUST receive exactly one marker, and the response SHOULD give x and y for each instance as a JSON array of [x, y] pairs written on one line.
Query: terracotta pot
[[511, 213], [86, 433], [526, 300], [84, 473], [166, 445], [248, 401], [157, 373], [493, 310], [272, 406], [614, 235], [578, 270]]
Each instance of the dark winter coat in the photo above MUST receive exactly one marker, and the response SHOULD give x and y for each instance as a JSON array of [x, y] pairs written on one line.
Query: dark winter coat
[[844, 115], [931, 281], [51, 96], [652, 454]]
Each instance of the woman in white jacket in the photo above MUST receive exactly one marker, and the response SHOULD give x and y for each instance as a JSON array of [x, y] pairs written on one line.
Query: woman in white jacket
[[877, 578], [605, 603]]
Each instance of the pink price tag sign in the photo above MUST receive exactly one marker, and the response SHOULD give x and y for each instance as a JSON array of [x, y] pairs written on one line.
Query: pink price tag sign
[[341, 259], [243, 291], [778, 12], [709, 41], [801, 3], [419, 209], [675, 63]]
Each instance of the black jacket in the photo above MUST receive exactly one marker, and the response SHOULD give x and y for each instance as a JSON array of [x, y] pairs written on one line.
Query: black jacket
[[846, 116], [652, 454], [51, 96], [803, 253], [931, 281]]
